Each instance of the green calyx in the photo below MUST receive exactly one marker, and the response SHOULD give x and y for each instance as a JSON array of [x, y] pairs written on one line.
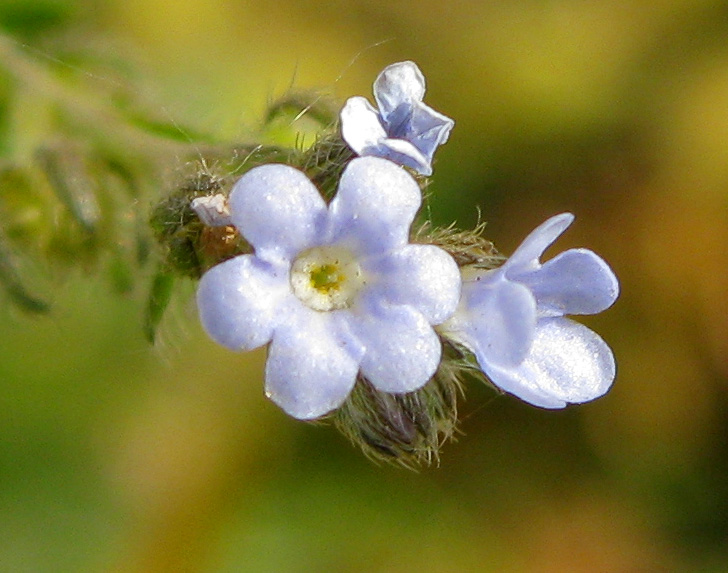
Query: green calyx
[[406, 429]]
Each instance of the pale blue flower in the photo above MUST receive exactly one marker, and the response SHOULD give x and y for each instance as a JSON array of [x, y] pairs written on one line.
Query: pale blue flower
[[336, 290], [404, 130], [512, 319]]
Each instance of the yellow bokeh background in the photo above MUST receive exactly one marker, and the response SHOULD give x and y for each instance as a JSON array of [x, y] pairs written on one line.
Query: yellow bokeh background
[[115, 456]]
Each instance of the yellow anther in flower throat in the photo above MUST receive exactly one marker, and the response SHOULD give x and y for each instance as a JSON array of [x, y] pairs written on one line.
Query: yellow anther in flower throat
[[327, 277]]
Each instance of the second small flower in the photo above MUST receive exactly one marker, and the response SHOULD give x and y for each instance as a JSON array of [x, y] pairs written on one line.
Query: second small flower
[[404, 129]]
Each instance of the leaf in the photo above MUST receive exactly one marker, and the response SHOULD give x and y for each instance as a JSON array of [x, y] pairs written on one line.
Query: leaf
[[159, 297], [12, 283], [70, 182]]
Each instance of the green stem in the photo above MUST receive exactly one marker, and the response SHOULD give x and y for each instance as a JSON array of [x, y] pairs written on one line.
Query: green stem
[[86, 106]]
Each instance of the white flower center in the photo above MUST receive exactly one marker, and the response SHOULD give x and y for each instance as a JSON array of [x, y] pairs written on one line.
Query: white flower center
[[326, 278]]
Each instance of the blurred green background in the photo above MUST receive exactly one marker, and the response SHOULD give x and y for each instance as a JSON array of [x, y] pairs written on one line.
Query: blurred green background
[[116, 456]]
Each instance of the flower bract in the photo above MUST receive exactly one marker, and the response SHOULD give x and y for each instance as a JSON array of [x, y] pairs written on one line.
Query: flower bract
[[336, 290], [404, 129], [513, 320]]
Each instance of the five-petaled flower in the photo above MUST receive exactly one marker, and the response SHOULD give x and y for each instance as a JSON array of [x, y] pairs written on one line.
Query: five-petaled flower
[[404, 130], [336, 290], [512, 319]]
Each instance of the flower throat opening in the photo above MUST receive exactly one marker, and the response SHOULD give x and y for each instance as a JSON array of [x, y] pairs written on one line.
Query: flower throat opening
[[326, 278]]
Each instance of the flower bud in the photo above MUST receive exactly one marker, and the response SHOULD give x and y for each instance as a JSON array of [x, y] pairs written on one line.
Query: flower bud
[[405, 429]]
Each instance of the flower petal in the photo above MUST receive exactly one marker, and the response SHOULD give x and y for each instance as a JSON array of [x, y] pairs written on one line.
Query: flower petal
[[568, 364], [374, 207], [526, 256], [576, 281], [397, 88], [212, 210], [312, 363], [362, 130], [360, 126], [239, 301], [402, 349], [422, 276], [278, 210], [428, 129], [402, 152], [496, 319]]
